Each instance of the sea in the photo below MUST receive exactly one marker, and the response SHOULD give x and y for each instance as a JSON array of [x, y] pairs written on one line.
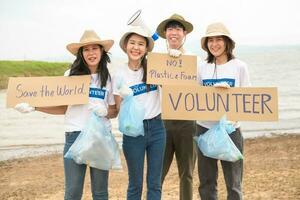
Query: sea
[[33, 134]]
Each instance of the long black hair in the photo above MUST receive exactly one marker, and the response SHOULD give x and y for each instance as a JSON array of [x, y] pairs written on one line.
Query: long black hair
[[229, 46], [143, 61], [79, 66]]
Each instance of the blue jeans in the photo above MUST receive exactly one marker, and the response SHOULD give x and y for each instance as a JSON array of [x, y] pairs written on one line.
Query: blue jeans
[[75, 173], [134, 148]]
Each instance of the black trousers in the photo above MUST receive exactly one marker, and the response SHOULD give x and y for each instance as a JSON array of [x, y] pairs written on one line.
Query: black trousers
[[208, 171]]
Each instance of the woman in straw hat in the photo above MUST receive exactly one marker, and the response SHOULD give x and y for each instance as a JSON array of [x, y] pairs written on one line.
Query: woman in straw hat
[[179, 133], [91, 58], [221, 69], [136, 43]]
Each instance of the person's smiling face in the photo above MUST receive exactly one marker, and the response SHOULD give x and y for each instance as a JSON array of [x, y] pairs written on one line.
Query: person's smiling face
[[136, 47], [216, 46], [175, 36], [92, 55]]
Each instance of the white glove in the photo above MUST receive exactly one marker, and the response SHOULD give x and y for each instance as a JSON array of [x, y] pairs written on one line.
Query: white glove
[[125, 91], [222, 85], [174, 53], [24, 108], [99, 109]]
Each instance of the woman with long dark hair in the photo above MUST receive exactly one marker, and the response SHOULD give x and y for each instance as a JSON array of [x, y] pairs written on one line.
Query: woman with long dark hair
[[91, 59]]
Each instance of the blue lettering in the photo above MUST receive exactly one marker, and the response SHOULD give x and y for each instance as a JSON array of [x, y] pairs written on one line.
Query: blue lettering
[[142, 88], [211, 82], [97, 93]]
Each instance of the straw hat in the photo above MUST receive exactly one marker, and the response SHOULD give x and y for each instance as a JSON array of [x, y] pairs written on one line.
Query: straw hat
[[140, 31], [89, 37], [215, 29], [175, 17]]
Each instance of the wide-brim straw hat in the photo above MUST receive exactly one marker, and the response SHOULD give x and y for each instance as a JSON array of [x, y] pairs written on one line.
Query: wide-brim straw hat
[[215, 29], [175, 17], [139, 30], [89, 37]]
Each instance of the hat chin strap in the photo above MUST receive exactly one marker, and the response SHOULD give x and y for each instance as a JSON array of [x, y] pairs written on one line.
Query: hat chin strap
[[179, 48]]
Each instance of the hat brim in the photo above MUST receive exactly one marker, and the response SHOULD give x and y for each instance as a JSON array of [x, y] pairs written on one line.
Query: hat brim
[[122, 41], [161, 27], [74, 47], [213, 35]]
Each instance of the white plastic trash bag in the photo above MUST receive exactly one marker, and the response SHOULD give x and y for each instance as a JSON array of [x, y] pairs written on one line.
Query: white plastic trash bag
[[216, 143], [96, 146]]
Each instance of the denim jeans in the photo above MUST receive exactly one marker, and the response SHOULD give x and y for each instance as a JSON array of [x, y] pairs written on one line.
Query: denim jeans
[[152, 144], [208, 172], [75, 174]]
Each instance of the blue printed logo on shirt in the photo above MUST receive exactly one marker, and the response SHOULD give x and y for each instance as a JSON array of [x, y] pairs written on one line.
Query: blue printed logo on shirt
[[97, 93], [211, 82], [142, 88]]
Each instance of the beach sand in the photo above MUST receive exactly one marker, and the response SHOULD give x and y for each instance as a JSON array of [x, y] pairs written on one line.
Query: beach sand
[[271, 171]]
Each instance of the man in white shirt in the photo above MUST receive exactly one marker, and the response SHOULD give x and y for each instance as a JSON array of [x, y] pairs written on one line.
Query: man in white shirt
[[180, 133]]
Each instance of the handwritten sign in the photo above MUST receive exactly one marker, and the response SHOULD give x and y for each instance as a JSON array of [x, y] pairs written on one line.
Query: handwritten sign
[[48, 91], [165, 70], [210, 103]]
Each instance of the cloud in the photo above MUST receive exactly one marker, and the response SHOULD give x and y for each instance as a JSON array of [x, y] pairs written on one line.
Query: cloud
[[35, 29]]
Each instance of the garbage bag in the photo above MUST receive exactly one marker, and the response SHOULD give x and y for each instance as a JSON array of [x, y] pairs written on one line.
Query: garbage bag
[[96, 146], [131, 117], [216, 143]]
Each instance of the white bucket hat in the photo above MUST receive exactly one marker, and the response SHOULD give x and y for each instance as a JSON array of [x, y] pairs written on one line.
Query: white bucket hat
[[215, 29], [89, 37], [140, 31]]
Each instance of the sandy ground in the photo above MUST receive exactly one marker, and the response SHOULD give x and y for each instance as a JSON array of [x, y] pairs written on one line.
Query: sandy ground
[[272, 171]]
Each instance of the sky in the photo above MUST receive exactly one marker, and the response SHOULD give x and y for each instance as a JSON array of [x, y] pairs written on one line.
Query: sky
[[41, 29]]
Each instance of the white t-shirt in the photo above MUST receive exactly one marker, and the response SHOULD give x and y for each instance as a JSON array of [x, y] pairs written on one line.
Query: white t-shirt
[[150, 100], [234, 72], [76, 116]]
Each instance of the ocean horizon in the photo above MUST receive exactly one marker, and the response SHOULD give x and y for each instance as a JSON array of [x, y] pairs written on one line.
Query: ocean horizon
[[37, 133]]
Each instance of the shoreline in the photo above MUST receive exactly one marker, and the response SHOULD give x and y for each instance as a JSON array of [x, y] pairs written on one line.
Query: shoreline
[[47, 130], [8, 153], [12, 152], [271, 171]]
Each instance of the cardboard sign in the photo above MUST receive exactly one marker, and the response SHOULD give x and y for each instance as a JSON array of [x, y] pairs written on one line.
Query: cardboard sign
[[48, 91], [163, 69], [210, 103]]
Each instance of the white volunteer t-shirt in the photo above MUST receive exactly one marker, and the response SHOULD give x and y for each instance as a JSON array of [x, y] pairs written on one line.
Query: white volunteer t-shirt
[[234, 72], [150, 100], [77, 115]]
